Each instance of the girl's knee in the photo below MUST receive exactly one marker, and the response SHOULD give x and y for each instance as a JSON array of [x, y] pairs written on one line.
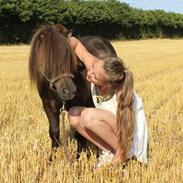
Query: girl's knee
[[74, 111], [74, 117]]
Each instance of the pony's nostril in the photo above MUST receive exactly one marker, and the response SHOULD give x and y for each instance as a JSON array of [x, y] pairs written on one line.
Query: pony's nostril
[[65, 91]]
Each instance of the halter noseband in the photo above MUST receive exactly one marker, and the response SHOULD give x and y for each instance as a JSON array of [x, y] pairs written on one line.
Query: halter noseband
[[52, 81]]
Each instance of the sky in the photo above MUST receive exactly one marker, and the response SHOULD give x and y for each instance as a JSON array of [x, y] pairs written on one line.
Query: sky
[[166, 5]]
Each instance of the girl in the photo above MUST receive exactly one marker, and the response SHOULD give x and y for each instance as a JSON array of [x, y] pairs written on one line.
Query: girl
[[117, 125]]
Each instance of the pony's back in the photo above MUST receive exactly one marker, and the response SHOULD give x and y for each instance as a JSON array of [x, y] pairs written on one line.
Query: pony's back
[[98, 46]]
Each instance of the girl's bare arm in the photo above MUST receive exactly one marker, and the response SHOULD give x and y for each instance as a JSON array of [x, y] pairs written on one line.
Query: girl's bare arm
[[87, 58]]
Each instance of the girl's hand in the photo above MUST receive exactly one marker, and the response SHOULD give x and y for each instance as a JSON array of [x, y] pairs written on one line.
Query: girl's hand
[[73, 42]]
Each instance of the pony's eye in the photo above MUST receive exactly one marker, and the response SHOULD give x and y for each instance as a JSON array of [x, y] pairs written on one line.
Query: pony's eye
[[53, 87]]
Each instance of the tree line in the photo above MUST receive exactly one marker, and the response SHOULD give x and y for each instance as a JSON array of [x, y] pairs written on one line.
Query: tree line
[[108, 18]]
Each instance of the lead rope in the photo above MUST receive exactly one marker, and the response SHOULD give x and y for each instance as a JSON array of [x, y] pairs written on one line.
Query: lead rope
[[63, 113]]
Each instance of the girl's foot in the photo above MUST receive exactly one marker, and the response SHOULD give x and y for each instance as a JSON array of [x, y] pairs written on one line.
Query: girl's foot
[[105, 158]]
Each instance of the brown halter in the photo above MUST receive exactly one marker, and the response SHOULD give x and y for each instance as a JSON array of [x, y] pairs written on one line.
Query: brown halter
[[52, 81]]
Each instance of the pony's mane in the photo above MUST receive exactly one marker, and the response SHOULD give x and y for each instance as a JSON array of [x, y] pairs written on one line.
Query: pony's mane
[[50, 54]]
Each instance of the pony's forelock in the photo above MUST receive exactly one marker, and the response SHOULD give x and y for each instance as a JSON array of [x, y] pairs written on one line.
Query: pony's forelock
[[50, 54]]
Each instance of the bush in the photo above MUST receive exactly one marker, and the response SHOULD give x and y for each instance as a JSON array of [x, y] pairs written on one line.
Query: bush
[[108, 18]]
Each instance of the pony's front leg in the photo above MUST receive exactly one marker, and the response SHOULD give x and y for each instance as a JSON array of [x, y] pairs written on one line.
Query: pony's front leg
[[54, 130], [53, 118]]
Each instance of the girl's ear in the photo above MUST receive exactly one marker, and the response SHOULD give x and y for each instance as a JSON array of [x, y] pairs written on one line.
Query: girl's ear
[[41, 37], [108, 82]]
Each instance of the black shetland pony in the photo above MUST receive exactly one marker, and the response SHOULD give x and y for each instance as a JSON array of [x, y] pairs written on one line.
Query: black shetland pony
[[59, 76]]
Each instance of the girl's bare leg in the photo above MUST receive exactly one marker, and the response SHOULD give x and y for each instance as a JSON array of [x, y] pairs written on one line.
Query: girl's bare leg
[[97, 125]]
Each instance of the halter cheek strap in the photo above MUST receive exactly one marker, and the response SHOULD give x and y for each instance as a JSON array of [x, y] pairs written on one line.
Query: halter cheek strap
[[61, 76]]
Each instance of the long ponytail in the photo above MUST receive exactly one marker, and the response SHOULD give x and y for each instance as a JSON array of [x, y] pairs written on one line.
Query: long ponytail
[[119, 75], [125, 116]]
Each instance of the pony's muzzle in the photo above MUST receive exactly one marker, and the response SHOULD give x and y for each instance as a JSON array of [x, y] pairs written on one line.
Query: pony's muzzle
[[67, 94]]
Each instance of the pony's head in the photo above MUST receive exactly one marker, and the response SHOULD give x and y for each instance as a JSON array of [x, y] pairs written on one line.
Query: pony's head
[[52, 59]]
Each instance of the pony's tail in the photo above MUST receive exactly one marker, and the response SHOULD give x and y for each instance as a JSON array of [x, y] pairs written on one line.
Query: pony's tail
[[125, 116]]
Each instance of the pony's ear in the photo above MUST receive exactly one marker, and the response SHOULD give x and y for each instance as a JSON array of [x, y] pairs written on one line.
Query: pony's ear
[[69, 33], [62, 30], [41, 37]]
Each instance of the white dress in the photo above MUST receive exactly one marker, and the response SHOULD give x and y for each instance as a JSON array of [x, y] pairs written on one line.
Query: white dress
[[139, 144]]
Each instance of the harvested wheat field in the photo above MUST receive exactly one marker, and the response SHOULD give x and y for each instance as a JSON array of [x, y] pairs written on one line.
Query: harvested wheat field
[[25, 145]]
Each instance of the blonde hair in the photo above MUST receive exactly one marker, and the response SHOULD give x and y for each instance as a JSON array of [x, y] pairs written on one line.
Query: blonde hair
[[120, 75]]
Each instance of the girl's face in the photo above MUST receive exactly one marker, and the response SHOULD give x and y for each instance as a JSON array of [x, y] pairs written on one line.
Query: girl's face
[[97, 74]]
